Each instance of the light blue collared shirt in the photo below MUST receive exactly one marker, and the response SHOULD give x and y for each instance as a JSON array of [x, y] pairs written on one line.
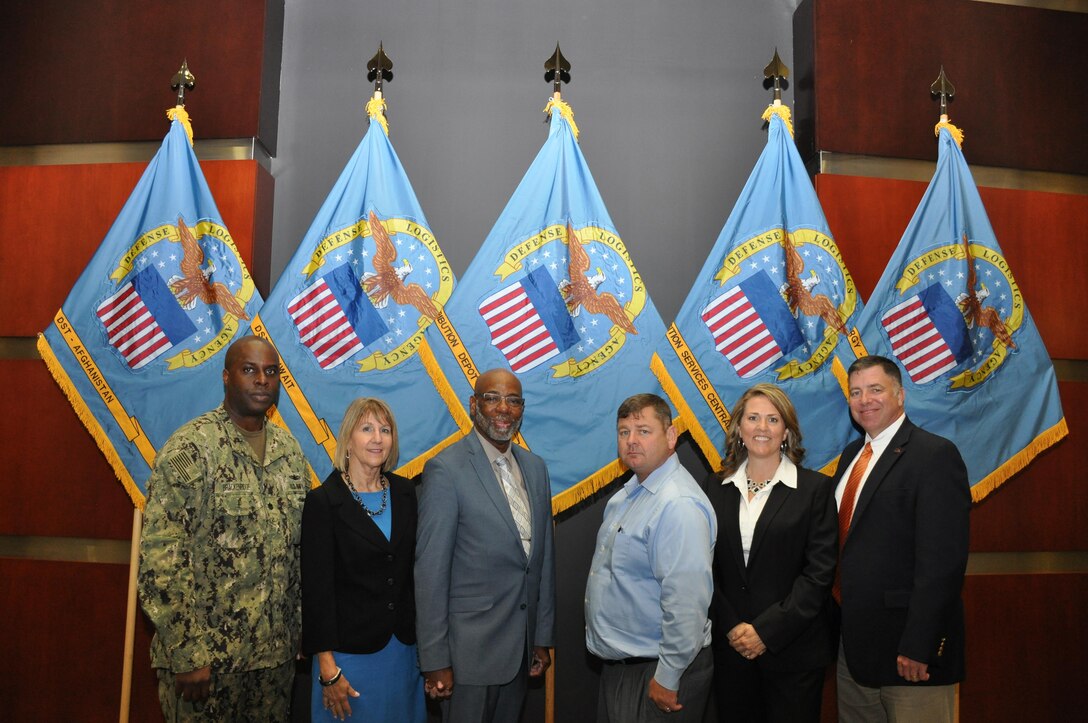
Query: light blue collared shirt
[[650, 582]]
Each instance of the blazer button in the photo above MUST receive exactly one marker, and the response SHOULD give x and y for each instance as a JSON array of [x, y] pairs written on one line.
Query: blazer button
[[391, 606], [389, 582], [389, 558], [523, 606]]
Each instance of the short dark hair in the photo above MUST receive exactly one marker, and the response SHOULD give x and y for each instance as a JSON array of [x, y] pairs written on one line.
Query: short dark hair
[[635, 404], [868, 362]]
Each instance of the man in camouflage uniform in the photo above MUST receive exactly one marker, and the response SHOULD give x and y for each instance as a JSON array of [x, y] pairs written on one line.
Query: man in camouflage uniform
[[219, 555]]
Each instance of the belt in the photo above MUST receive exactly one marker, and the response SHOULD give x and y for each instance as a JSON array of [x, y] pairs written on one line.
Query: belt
[[629, 661]]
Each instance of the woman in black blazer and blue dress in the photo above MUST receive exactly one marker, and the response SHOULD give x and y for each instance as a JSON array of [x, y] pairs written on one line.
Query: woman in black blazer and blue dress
[[774, 563], [358, 605]]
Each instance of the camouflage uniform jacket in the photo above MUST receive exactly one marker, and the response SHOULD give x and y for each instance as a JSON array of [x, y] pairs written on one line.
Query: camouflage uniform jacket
[[219, 555]]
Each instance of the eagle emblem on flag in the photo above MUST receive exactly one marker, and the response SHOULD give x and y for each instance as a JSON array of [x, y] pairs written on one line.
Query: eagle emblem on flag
[[371, 309], [176, 285]]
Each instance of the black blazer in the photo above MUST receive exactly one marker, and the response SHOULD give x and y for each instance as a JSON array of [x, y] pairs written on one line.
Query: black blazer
[[904, 560], [357, 587], [784, 589]]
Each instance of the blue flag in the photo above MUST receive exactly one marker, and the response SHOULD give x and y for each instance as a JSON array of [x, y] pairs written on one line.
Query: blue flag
[[949, 311], [138, 344], [773, 303], [349, 312], [554, 296]]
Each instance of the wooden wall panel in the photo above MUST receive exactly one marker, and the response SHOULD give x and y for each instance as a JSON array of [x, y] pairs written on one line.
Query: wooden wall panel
[[863, 72], [55, 480], [55, 217], [63, 628], [1041, 234], [1025, 636], [1044, 507], [89, 72]]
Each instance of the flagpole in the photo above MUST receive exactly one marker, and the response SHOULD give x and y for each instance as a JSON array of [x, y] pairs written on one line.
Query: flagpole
[[130, 615], [181, 81]]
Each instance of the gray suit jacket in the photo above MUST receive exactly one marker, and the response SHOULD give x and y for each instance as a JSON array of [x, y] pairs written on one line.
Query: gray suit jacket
[[480, 604]]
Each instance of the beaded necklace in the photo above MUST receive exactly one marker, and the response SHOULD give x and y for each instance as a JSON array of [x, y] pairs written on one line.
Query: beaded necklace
[[359, 495]]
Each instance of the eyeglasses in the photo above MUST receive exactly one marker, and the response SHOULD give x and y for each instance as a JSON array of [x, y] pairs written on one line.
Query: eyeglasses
[[492, 399]]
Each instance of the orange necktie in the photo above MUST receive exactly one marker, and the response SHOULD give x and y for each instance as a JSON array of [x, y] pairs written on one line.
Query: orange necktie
[[846, 510]]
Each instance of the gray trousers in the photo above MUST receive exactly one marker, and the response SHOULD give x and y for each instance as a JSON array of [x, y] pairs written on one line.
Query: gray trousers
[[487, 703], [622, 697]]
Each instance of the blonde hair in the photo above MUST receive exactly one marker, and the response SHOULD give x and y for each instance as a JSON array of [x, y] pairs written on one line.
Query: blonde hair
[[359, 410]]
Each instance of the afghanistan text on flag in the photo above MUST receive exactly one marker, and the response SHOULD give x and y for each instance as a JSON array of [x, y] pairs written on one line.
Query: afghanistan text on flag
[[138, 344], [772, 303], [949, 311], [349, 312], [554, 296]]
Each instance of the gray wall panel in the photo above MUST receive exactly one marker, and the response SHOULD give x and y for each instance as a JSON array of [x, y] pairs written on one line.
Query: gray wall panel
[[667, 95]]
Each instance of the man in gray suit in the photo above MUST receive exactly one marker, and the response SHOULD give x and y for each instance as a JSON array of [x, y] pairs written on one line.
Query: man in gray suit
[[485, 567]]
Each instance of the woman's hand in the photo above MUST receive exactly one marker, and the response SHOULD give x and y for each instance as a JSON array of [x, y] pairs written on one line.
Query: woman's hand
[[336, 697], [746, 641]]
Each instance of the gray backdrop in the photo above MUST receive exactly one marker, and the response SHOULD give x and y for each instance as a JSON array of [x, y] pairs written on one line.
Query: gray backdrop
[[668, 97]]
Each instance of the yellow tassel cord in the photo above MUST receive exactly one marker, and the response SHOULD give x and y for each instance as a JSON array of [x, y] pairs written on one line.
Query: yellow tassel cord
[[782, 112], [92, 425], [179, 114], [1019, 461], [841, 376], [375, 109], [690, 421], [957, 134], [564, 110], [829, 468], [464, 424]]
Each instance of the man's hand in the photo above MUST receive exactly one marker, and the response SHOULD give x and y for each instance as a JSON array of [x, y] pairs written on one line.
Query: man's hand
[[746, 641], [438, 684], [663, 698], [912, 670], [541, 661], [195, 685]]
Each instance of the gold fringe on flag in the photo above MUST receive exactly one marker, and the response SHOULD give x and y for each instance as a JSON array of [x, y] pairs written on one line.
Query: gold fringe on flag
[[782, 112], [1046, 439], [92, 425], [375, 110], [601, 478], [957, 134], [564, 110], [588, 487], [181, 115]]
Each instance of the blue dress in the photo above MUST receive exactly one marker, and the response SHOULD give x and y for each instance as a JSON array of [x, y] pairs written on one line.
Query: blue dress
[[389, 683]]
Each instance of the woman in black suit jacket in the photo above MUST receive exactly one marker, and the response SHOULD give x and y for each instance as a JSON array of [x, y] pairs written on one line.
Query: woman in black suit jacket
[[358, 604], [774, 563]]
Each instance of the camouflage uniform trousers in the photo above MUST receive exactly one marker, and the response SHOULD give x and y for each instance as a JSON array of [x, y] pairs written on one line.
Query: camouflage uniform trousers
[[257, 696]]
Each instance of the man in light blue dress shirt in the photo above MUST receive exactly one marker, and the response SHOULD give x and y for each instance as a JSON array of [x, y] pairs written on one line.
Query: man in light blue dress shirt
[[650, 582]]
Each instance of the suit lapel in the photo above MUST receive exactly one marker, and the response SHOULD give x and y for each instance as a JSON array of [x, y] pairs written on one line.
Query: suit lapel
[[731, 510], [880, 471], [486, 475], [779, 494], [401, 495], [353, 517]]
